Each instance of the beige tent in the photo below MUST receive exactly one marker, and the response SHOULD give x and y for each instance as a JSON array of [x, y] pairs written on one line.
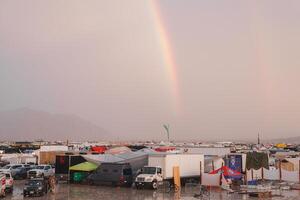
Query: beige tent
[[290, 164]]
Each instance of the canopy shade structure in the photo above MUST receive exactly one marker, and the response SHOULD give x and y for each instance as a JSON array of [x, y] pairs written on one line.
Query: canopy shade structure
[[85, 167]]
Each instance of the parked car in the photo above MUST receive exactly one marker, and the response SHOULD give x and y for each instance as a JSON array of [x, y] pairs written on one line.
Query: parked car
[[3, 163], [35, 187], [20, 173], [41, 171], [9, 182], [114, 173], [12, 168], [2, 185]]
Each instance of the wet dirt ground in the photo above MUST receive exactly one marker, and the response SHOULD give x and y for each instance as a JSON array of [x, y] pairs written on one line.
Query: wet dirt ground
[[87, 192]]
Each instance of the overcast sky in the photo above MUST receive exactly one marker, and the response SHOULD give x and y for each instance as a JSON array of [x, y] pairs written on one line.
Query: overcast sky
[[238, 65]]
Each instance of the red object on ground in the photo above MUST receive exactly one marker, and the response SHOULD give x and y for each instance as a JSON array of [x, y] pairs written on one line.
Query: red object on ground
[[165, 149], [99, 149]]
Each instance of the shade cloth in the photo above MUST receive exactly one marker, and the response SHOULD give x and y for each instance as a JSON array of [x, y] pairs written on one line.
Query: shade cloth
[[85, 166], [257, 160], [210, 179]]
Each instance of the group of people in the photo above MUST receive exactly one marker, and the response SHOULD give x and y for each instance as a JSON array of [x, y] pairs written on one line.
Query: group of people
[[50, 183]]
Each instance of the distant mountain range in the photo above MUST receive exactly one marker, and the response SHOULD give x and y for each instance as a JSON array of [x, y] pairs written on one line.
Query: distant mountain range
[[292, 140], [27, 124]]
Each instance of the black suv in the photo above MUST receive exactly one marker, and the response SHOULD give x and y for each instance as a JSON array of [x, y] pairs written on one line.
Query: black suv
[[35, 187]]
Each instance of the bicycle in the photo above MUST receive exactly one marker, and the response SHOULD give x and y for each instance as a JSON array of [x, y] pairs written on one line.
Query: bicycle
[[204, 192]]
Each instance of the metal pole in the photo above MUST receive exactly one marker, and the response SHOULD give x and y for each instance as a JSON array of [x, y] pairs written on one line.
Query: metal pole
[[280, 173], [221, 174], [245, 180], [200, 172], [69, 168]]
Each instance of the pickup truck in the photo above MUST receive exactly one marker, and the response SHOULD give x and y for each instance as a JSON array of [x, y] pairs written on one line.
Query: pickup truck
[[12, 168], [41, 171]]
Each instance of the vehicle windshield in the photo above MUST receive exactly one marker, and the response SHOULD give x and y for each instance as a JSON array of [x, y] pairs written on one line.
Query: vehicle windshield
[[34, 183], [16, 166], [6, 167], [149, 170], [40, 167]]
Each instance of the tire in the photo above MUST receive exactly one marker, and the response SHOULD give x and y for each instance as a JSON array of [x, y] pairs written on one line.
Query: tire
[[129, 185], [114, 184], [154, 184], [91, 182], [138, 187]]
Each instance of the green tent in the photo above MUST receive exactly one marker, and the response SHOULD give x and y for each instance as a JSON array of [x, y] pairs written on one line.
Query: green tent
[[85, 166]]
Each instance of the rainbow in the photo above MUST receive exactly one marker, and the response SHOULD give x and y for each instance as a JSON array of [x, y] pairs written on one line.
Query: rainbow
[[167, 53]]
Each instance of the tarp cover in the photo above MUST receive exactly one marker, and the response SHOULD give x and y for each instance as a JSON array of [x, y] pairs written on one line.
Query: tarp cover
[[85, 166], [290, 176], [227, 172], [257, 160], [254, 174], [210, 179], [99, 149], [271, 174], [118, 150]]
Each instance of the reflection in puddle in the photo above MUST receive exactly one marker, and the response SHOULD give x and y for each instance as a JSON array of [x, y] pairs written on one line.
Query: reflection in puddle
[[86, 192]]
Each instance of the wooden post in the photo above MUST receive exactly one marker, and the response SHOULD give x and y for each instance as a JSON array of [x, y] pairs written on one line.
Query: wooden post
[[245, 180], [251, 174], [262, 173], [221, 176], [200, 173], [280, 173], [176, 177]]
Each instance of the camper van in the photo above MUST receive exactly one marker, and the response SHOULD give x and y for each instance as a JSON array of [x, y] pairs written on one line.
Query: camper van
[[117, 174]]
